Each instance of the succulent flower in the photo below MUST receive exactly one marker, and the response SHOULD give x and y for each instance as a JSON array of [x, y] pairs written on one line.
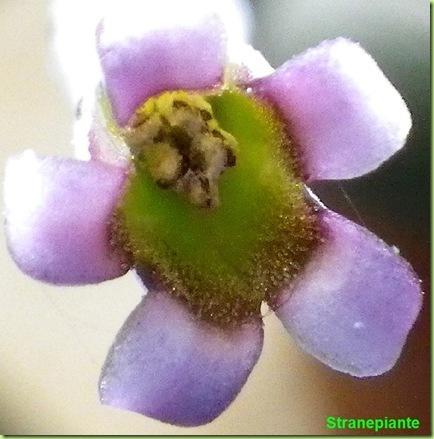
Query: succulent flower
[[197, 181]]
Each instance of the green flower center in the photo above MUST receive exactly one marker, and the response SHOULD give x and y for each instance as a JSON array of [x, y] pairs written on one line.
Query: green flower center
[[226, 260]]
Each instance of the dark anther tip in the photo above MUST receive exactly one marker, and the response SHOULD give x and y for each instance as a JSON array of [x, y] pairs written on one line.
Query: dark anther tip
[[231, 159], [206, 115]]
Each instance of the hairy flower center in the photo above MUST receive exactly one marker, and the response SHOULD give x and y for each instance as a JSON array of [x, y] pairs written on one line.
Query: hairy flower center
[[222, 262], [176, 139]]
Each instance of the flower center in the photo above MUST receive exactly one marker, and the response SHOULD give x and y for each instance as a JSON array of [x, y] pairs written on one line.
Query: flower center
[[176, 139], [225, 261]]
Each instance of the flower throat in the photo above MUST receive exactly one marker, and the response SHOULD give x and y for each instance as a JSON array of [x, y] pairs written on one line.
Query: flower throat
[[224, 247]]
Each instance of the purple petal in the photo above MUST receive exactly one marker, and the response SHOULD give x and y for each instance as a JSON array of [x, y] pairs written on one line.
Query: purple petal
[[354, 303], [57, 213], [170, 56], [168, 365], [343, 113]]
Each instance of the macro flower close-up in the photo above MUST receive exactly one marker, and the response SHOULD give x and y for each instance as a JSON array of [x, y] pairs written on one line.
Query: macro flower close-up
[[195, 161]]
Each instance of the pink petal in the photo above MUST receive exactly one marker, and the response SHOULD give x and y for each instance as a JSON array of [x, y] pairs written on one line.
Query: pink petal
[[343, 113], [168, 365], [57, 214], [354, 303], [177, 54]]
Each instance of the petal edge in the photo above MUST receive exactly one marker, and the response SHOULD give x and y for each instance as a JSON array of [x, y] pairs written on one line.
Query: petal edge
[[178, 55], [354, 303], [345, 116], [167, 365], [57, 213]]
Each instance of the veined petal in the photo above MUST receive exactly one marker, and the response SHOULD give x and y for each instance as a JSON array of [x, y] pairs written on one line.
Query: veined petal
[[354, 303], [57, 214], [170, 366], [177, 53], [343, 113]]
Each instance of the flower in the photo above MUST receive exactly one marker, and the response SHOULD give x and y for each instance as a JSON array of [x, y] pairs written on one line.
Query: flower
[[197, 181]]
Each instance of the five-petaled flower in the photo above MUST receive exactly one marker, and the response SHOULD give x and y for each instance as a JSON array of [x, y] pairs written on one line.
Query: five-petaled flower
[[197, 181]]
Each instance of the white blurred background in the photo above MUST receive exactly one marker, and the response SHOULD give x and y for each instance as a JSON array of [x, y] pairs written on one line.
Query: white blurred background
[[53, 340]]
